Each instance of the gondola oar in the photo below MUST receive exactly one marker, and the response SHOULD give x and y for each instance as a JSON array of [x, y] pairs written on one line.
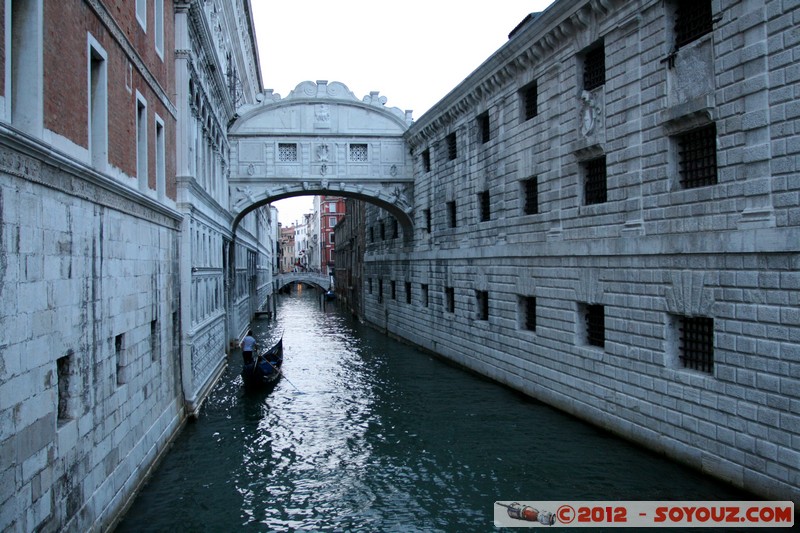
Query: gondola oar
[[284, 376]]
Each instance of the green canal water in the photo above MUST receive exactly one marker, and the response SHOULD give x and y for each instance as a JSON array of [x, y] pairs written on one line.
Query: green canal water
[[368, 434]]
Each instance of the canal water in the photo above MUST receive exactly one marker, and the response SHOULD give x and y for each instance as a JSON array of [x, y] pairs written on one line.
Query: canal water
[[367, 434]]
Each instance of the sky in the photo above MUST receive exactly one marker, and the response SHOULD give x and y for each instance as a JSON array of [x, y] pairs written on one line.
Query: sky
[[413, 52]]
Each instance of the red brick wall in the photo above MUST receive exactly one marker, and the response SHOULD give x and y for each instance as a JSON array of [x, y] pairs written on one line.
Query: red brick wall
[[65, 83]]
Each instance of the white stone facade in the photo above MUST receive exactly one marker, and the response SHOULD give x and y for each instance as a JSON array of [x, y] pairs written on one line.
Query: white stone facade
[[562, 249]]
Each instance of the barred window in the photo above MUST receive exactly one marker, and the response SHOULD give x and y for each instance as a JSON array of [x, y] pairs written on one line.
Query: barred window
[[594, 67], [452, 149], [371, 234], [426, 160], [484, 206], [451, 214], [594, 316], [426, 213], [408, 292], [527, 308], [697, 157], [693, 19], [380, 290], [484, 127], [369, 285], [530, 193], [383, 230], [287, 152], [395, 229], [697, 343], [594, 191], [482, 304], [528, 96], [358, 153], [393, 287], [425, 300], [450, 299]]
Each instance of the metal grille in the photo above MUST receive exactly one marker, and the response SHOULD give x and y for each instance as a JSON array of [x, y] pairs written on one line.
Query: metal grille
[[358, 153], [427, 214], [451, 214], [594, 68], [482, 299], [596, 325], [485, 206], [408, 292], [452, 151], [531, 206], [485, 126], [426, 160], [529, 96], [595, 185], [529, 308], [697, 343], [697, 151], [693, 19], [287, 152]]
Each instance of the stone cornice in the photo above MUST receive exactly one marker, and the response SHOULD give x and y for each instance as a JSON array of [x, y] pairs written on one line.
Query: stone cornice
[[531, 44], [29, 159], [131, 53]]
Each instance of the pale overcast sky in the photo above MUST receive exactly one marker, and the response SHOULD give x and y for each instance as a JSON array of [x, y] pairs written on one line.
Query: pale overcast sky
[[413, 51]]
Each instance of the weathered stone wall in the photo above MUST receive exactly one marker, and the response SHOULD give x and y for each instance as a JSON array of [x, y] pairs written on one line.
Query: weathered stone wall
[[89, 378], [651, 254]]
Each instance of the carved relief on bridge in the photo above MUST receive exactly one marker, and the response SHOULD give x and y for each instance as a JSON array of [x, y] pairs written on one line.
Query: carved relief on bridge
[[321, 139]]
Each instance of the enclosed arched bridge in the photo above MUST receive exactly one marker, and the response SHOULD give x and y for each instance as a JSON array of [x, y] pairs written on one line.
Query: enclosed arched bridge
[[321, 140]]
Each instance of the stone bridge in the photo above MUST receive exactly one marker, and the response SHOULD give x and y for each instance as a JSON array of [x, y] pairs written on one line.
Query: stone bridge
[[321, 140], [320, 280]]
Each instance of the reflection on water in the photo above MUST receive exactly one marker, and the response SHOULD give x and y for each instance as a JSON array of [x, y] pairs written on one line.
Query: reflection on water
[[366, 434]]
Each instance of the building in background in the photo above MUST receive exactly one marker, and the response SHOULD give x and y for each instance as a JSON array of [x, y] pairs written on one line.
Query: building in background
[[288, 259], [332, 209], [350, 245]]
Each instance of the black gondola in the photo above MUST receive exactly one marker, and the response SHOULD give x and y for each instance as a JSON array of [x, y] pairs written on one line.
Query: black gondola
[[265, 371]]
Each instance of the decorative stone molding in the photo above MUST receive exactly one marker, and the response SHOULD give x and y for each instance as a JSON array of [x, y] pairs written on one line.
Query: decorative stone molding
[[688, 295]]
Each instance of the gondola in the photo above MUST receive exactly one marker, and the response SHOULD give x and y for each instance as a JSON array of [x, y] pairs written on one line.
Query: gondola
[[263, 373]]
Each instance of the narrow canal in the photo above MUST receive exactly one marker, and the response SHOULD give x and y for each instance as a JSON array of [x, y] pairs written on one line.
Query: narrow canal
[[368, 434]]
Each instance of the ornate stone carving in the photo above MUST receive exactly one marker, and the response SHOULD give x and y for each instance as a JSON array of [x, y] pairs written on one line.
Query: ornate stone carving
[[590, 113], [323, 152]]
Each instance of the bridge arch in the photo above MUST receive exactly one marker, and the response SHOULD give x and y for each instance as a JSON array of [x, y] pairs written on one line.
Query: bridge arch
[[321, 140]]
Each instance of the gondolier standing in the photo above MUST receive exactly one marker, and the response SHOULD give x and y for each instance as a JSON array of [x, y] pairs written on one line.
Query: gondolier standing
[[247, 345]]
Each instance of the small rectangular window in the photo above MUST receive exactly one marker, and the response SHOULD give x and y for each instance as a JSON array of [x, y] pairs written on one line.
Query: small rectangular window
[[452, 149], [119, 352], [697, 157], [408, 292], [530, 193], [393, 287], [371, 234], [382, 227], [450, 299], [98, 105], [484, 128], [528, 97], [424, 288], [141, 142], [161, 158], [594, 67], [426, 160], [451, 214], [395, 229], [594, 317], [693, 19], [67, 382], [484, 206], [358, 153], [287, 152], [697, 343], [369, 286], [482, 305], [527, 311], [158, 30], [155, 341], [595, 189], [426, 214], [380, 291]]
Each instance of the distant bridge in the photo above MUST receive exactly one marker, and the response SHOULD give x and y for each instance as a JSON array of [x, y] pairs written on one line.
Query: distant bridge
[[320, 280]]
